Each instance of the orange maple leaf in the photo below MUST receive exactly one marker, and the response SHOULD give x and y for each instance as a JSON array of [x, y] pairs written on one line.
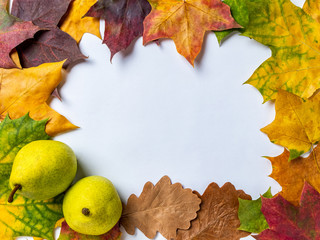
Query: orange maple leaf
[[186, 21], [25, 91]]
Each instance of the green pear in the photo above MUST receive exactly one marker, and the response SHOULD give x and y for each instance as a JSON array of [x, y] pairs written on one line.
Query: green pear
[[42, 170], [92, 206]]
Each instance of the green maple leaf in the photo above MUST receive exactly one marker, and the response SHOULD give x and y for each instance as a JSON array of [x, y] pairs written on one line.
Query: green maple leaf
[[23, 217], [250, 215], [240, 13]]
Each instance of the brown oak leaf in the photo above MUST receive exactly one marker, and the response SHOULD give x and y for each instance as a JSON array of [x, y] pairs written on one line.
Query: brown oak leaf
[[164, 207], [218, 216]]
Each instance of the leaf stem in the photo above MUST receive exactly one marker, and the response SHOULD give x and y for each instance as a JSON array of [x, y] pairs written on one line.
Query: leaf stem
[[16, 188]]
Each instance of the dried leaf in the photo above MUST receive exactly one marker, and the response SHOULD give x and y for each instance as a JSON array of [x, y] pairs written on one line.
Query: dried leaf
[[43, 13], [293, 37], [289, 222], [218, 216], [250, 215], [23, 217], [28, 90], [123, 21], [292, 175], [76, 25], [52, 45], [297, 123], [68, 234], [49, 46], [186, 23], [13, 31], [164, 207]]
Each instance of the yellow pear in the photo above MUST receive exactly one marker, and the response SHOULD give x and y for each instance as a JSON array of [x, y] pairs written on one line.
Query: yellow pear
[[42, 170], [92, 206]]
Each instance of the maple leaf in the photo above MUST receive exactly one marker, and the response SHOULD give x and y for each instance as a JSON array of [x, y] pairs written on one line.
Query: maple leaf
[[13, 31], [164, 207], [312, 7], [186, 21], [287, 221], [297, 123], [292, 175], [68, 234], [23, 217], [250, 215], [293, 37], [42, 13], [123, 21], [28, 90], [76, 25], [52, 45], [218, 216], [239, 12]]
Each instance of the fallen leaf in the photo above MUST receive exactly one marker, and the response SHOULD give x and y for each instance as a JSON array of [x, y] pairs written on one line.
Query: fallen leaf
[[75, 24], [297, 123], [13, 31], [293, 37], [162, 208], [287, 221], [23, 217], [186, 23], [68, 234], [292, 175], [218, 215], [28, 90], [239, 12], [49, 46], [251, 218], [312, 7], [14, 134], [52, 45], [43, 13], [123, 21]]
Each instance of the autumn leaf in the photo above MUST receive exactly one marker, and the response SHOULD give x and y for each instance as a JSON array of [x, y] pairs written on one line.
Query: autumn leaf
[[186, 21], [293, 37], [68, 234], [76, 25], [218, 216], [23, 217], [287, 221], [14, 134], [297, 123], [250, 215], [123, 21], [292, 175], [52, 45], [163, 208], [13, 31], [28, 90], [312, 7], [43, 13], [239, 12]]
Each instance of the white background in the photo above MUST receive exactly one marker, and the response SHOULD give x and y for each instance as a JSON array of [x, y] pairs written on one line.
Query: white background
[[150, 114]]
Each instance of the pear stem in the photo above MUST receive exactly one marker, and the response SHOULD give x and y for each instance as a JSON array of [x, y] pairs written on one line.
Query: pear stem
[[85, 211], [16, 188]]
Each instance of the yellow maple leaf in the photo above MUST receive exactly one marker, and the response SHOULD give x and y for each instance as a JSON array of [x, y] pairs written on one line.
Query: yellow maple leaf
[[25, 91], [312, 7], [292, 175], [76, 25], [297, 123], [293, 36]]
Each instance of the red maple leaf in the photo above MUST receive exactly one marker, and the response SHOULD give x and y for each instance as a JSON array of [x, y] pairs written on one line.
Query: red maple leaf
[[288, 222]]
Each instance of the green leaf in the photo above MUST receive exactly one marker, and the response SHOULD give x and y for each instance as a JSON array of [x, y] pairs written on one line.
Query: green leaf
[[250, 215], [23, 217], [14, 134], [239, 11]]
